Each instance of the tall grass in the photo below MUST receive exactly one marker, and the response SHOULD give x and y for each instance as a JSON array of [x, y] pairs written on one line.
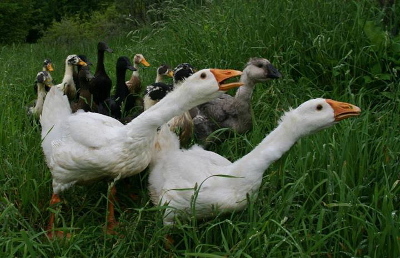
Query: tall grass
[[335, 194]]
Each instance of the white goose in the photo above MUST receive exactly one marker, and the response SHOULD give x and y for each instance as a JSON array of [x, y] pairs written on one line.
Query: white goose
[[174, 169], [84, 146], [68, 85], [43, 80]]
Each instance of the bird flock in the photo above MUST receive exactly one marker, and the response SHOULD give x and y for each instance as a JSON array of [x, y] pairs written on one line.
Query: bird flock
[[89, 134]]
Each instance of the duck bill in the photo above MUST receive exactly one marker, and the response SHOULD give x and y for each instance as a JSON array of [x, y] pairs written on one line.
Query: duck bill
[[144, 62], [82, 63], [343, 110], [222, 75], [170, 74], [50, 68], [131, 68]]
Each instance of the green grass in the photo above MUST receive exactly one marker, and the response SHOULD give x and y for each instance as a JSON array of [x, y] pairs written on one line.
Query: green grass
[[334, 194]]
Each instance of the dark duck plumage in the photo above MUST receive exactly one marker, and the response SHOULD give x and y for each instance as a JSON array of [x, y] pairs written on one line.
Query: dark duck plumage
[[233, 112], [85, 101], [76, 72], [119, 105], [100, 85]]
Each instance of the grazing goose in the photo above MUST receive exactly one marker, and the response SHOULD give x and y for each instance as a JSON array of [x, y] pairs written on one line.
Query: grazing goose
[[43, 80], [162, 71], [119, 103], [67, 85], [100, 85], [85, 101], [233, 112], [85, 147], [173, 168]]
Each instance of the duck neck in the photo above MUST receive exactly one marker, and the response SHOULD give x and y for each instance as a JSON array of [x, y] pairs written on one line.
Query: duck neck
[[135, 73], [41, 93], [253, 165], [100, 61], [68, 74], [245, 92], [121, 90], [159, 77]]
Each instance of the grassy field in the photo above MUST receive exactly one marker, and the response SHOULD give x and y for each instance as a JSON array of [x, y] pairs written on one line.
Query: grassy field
[[334, 194]]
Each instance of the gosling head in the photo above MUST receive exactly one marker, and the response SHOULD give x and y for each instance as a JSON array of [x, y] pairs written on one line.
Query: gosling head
[[261, 70]]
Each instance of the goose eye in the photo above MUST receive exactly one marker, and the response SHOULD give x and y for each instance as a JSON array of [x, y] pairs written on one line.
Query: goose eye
[[319, 107], [203, 75]]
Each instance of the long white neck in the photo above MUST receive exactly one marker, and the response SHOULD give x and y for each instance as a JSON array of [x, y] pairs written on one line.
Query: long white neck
[[174, 104], [253, 165], [245, 92]]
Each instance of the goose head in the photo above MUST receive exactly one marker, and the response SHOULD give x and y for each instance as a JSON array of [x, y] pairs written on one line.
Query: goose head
[[182, 71], [317, 114], [165, 70], [75, 60], [44, 78], [208, 84], [102, 46], [48, 65], [139, 59], [261, 70]]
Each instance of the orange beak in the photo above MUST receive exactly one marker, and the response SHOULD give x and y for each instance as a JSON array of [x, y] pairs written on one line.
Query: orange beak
[[82, 63], [50, 67], [144, 62], [170, 74], [343, 110], [222, 75]]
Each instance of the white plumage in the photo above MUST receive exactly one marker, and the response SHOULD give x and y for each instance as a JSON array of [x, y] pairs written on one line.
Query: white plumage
[[83, 147], [173, 169]]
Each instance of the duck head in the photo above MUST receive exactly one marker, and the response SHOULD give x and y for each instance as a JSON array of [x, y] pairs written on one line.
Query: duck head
[[139, 59]]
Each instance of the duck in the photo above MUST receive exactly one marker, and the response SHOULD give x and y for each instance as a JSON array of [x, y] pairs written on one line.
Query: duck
[[101, 84], [118, 104], [163, 71], [84, 147], [85, 59], [177, 177], [154, 93], [182, 125], [233, 112], [85, 101], [135, 83], [67, 85], [43, 80], [47, 67]]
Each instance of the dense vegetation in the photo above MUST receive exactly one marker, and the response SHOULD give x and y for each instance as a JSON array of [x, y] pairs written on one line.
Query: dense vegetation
[[335, 194]]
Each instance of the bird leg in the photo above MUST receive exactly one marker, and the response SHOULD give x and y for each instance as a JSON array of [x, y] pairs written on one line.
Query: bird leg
[[111, 221], [51, 234]]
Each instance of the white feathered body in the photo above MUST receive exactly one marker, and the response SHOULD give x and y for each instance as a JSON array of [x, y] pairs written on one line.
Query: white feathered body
[[83, 147]]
